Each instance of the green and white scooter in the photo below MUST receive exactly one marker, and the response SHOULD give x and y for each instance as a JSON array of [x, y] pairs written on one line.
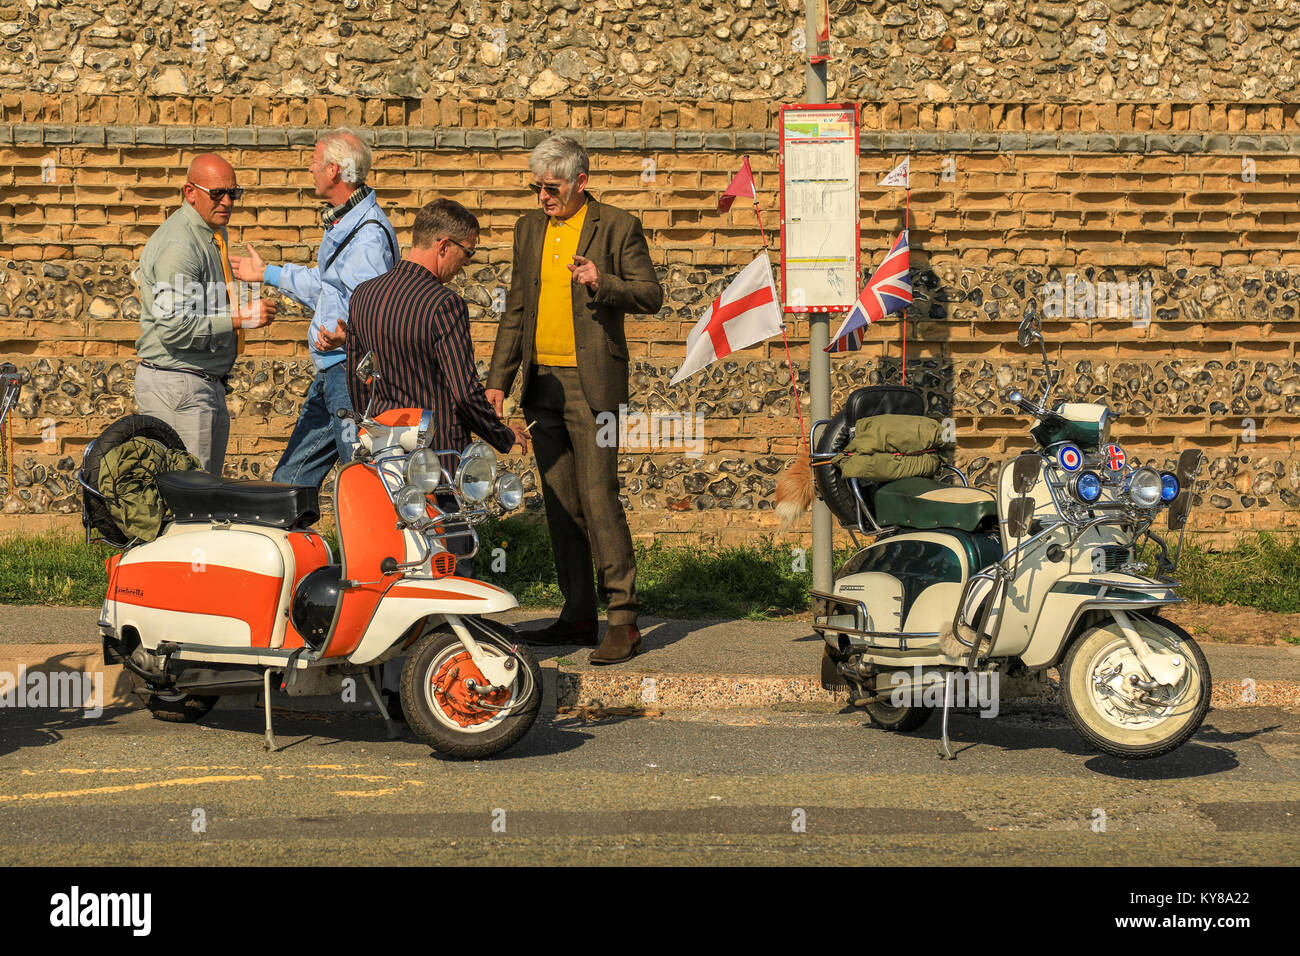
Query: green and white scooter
[[960, 588]]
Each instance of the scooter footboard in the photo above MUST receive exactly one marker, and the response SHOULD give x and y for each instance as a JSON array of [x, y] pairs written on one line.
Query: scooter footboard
[[409, 601]]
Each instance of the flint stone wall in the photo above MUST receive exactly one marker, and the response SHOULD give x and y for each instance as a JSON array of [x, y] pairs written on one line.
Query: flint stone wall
[[1054, 147], [907, 50]]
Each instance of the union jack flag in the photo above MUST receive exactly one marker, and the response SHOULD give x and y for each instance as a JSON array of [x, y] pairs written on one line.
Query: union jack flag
[[888, 290]]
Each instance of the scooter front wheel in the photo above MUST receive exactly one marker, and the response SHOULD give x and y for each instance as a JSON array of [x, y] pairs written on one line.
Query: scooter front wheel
[[1121, 718], [443, 710], [180, 708]]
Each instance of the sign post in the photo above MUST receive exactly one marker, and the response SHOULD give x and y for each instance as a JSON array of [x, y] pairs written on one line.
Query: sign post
[[817, 21]]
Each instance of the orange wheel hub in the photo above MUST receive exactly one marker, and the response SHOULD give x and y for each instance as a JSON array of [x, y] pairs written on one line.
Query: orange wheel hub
[[457, 700]]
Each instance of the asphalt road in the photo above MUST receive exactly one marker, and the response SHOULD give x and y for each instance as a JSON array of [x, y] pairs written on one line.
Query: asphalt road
[[754, 787]]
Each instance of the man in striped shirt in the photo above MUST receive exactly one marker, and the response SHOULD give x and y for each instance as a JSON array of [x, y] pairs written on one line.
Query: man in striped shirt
[[419, 330]]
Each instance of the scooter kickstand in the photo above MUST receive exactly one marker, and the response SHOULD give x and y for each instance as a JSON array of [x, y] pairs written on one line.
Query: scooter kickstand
[[394, 731], [945, 751], [266, 700]]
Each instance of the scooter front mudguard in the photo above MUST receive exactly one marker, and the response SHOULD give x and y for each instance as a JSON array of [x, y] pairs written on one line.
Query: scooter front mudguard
[[410, 600]]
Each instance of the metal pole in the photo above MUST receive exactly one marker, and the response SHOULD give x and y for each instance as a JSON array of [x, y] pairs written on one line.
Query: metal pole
[[819, 333]]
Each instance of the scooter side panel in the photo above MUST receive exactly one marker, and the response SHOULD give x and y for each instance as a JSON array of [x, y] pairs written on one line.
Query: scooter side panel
[[367, 535], [916, 561], [409, 601], [934, 608], [193, 585]]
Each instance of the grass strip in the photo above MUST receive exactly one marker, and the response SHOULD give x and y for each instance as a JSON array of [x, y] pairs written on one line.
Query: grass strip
[[759, 581]]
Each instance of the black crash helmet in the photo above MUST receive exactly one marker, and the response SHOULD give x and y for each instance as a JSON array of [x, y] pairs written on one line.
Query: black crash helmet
[[314, 601]]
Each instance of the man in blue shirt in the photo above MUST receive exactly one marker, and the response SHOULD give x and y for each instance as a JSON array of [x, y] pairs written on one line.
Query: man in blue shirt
[[359, 244]]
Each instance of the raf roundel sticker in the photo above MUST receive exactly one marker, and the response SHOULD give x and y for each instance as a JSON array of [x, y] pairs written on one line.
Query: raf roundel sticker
[[1114, 457], [1070, 458]]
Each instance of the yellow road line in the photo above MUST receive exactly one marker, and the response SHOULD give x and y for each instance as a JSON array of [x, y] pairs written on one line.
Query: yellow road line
[[178, 782]]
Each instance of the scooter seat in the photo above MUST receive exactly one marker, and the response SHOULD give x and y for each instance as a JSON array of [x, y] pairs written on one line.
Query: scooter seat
[[926, 503], [200, 496]]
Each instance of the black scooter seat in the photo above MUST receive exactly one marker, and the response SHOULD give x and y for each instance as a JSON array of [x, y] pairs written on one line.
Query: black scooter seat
[[200, 496]]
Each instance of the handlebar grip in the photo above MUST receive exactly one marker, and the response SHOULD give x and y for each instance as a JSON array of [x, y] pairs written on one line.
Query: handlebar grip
[[347, 414]]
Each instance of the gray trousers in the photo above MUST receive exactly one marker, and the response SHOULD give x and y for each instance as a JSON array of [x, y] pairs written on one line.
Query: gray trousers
[[194, 406]]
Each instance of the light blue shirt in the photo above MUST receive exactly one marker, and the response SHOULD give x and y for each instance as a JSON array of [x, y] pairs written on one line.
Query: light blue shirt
[[368, 255]]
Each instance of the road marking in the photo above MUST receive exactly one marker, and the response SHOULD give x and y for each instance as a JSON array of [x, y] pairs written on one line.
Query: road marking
[[178, 782]]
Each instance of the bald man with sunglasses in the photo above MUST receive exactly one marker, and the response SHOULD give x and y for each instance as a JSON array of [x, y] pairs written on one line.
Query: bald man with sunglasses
[[190, 314]]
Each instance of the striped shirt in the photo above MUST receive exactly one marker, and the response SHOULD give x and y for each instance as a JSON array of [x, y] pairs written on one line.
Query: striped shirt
[[419, 331]]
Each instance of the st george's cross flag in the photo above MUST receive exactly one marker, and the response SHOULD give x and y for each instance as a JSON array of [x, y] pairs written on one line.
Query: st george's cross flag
[[745, 313], [888, 290]]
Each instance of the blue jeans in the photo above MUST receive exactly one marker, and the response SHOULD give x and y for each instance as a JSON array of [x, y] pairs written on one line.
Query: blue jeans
[[320, 438]]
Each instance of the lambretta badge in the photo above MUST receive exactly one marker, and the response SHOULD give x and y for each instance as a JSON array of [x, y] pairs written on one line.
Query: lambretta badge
[[77, 909], [135, 592]]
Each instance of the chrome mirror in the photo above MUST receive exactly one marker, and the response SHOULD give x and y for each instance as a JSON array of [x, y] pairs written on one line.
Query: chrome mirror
[[1024, 472], [1029, 332], [1020, 515], [368, 368], [1179, 509]]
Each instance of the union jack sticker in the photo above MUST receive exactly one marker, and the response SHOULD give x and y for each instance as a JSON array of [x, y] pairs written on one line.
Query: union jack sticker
[[1114, 457], [1070, 458]]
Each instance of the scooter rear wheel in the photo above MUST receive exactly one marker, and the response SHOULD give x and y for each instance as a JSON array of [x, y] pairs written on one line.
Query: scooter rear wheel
[[441, 710], [898, 719]]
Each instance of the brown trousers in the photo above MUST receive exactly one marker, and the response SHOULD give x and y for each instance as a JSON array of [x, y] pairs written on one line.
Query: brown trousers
[[580, 490]]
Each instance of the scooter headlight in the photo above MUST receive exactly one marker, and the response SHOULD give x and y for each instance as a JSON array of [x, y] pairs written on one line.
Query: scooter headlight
[[1145, 488], [1169, 486], [483, 450], [1086, 486], [423, 470], [474, 479], [510, 491], [410, 503]]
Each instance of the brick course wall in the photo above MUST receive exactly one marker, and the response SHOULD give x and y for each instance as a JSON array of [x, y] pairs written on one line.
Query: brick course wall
[[1193, 200]]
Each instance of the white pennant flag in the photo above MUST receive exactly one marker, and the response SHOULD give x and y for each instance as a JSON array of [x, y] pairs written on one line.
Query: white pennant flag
[[898, 176], [745, 313]]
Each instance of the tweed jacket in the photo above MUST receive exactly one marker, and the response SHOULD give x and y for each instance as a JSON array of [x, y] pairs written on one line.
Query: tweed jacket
[[615, 242]]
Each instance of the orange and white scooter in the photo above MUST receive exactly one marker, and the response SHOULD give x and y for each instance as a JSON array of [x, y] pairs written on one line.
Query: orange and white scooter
[[237, 590]]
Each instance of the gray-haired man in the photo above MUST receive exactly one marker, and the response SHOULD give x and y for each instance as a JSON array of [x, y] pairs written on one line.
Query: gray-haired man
[[579, 267], [359, 244]]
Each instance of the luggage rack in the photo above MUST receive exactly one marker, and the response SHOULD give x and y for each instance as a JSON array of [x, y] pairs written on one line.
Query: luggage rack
[[866, 522], [889, 640]]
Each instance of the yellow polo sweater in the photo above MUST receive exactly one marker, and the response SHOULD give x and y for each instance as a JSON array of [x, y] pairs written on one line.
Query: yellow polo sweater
[[553, 343]]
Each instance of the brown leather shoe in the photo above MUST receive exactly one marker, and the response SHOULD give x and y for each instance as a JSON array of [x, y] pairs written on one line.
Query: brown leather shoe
[[621, 643], [580, 633]]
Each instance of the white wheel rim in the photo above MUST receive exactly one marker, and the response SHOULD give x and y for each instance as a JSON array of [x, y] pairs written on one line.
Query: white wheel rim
[[435, 705], [1116, 701]]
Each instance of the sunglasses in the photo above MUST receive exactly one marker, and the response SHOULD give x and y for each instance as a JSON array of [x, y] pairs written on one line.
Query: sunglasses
[[551, 190], [469, 253], [216, 195]]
